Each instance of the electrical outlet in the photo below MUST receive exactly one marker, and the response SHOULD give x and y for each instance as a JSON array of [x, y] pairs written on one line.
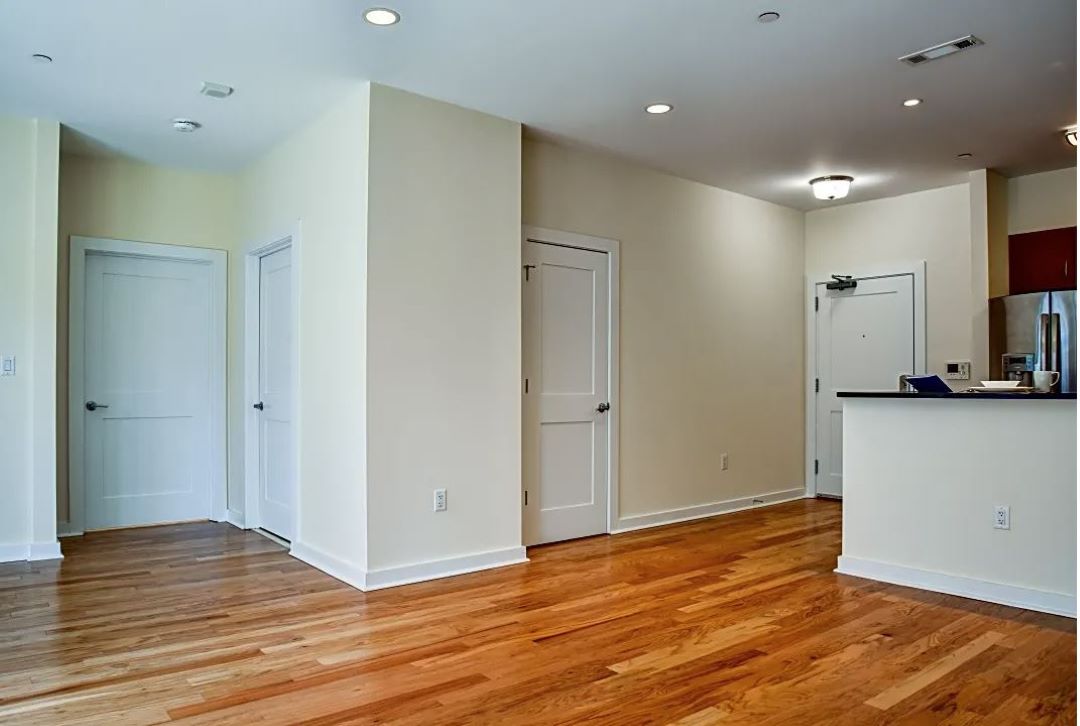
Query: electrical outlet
[[1001, 518], [723, 462], [440, 500]]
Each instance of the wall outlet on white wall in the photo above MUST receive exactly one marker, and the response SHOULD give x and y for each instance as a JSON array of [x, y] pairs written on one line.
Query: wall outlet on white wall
[[1001, 518], [723, 462], [440, 500]]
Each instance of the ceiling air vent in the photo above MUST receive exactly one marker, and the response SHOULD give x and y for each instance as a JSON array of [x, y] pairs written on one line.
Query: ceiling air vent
[[941, 50]]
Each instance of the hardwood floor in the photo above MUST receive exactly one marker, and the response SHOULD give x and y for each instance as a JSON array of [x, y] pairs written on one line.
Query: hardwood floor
[[732, 620]]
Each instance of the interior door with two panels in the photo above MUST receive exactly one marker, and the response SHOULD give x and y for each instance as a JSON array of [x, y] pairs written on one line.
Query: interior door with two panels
[[566, 449], [865, 339]]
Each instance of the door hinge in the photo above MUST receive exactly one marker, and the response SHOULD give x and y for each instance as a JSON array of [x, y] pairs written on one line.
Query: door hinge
[[527, 268], [817, 385], [817, 304], [816, 467], [526, 497], [526, 385]]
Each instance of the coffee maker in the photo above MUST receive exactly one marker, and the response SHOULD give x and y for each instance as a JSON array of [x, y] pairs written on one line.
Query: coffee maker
[[1018, 367]]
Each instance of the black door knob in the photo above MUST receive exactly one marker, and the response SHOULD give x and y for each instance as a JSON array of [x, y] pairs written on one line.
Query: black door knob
[[603, 407], [258, 406], [94, 405]]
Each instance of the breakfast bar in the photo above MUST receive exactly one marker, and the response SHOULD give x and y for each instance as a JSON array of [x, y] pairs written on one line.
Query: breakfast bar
[[971, 494]]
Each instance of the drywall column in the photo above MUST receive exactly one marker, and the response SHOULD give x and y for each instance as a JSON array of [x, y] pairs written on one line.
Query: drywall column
[[444, 338], [979, 189], [28, 173]]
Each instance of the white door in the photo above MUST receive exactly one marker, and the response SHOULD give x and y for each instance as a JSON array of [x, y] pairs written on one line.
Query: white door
[[274, 409], [865, 341], [148, 453], [566, 323]]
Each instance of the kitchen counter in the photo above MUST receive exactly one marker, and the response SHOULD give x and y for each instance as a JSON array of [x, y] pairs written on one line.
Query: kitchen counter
[[962, 395], [923, 476]]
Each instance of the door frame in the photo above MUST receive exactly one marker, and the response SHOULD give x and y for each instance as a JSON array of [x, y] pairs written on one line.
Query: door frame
[[255, 251], [917, 269], [217, 259], [611, 248]]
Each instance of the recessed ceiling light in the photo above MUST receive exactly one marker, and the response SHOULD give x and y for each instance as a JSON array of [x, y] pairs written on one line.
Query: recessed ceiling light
[[657, 108], [964, 155], [1070, 136], [186, 125], [41, 58], [769, 16], [832, 186], [912, 102], [381, 16]]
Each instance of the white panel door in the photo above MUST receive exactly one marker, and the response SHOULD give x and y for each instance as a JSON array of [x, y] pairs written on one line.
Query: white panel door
[[566, 420], [274, 409], [147, 382], [865, 341]]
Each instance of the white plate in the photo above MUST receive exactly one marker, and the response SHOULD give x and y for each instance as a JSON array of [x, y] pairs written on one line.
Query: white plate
[[1000, 384], [997, 389]]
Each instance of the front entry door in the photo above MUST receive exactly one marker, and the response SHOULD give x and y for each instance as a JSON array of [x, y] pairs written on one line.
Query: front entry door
[[566, 323], [147, 379], [274, 409], [865, 341]]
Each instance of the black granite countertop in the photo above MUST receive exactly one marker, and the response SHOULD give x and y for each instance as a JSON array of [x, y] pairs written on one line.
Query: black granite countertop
[[972, 395]]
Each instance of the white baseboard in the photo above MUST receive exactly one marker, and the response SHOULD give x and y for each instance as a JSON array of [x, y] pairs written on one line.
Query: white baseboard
[[406, 574], [235, 518], [337, 568], [995, 592], [435, 569], [702, 511], [45, 551], [30, 552]]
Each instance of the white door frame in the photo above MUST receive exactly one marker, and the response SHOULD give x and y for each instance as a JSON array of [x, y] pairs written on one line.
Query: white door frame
[[217, 259], [611, 247], [917, 270], [249, 519]]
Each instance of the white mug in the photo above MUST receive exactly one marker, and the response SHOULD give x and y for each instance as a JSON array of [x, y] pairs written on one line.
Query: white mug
[[1045, 380]]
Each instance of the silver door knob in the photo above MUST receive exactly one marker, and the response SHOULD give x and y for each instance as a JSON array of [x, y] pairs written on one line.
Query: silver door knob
[[94, 405]]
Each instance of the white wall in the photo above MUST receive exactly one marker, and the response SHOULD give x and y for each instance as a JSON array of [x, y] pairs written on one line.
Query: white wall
[[1042, 201], [711, 312], [116, 198], [318, 177], [444, 344], [933, 225], [29, 152], [947, 464]]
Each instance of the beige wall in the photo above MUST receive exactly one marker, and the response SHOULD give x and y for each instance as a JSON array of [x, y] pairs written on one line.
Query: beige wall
[[318, 178], [29, 150], [444, 314], [935, 226], [711, 356], [1042, 201], [120, 199]]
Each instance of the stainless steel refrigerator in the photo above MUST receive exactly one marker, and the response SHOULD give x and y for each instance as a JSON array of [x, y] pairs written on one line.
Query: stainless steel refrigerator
[[1038, 324]]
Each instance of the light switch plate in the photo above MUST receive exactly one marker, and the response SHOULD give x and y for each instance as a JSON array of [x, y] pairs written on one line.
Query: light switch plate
[[7, 365]]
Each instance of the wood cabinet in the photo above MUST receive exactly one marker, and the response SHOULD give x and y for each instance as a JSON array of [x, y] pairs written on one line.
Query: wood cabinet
[[1043, 260]]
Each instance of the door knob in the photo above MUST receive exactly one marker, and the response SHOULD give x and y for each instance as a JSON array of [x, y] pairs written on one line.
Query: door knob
[[94, 405], [258, 406], [603, 407]]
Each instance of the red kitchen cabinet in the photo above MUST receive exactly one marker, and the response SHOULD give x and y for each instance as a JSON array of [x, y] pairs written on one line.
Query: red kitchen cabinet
[[1043, 260]]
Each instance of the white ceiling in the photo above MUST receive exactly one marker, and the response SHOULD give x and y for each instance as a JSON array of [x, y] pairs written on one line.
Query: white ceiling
[[759, 108]]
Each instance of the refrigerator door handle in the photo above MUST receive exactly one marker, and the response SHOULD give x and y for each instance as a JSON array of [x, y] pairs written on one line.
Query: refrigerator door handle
[[1043, 349], [1055, 343]]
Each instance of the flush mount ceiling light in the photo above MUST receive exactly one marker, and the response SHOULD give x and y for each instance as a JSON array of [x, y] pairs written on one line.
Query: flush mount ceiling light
[[658, 108], [912, 102], [1070, 136], [381, 16], [833, 186], [186, 125], [769, 16], [41, 58]]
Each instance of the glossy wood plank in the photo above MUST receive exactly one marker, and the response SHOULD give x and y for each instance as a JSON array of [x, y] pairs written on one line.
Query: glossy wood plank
[[733, 620]]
